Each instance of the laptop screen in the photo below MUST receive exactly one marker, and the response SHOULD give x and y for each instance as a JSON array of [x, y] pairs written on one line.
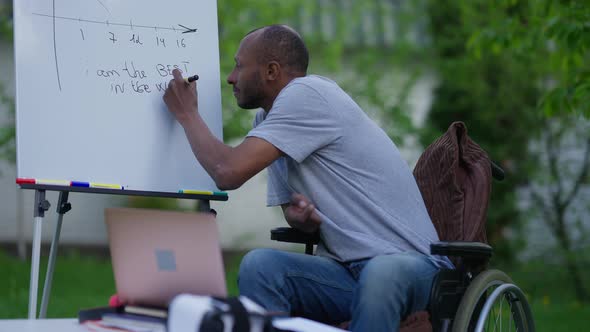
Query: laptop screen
[[159, 254]]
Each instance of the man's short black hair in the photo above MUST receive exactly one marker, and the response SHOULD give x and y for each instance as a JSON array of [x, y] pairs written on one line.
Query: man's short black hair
[[282, 44]]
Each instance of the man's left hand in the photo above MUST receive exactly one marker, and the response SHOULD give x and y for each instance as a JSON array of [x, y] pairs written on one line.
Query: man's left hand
[[301, 214]]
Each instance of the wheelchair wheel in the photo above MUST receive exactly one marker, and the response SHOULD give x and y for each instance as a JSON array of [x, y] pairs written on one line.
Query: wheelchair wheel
[[493, 303]]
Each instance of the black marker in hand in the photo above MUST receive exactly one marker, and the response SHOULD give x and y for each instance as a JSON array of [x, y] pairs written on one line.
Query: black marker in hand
[[191, 79]]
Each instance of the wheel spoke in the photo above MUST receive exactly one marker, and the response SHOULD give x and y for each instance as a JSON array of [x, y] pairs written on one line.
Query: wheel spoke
[[514, 321], [495, 317], [510, 316], [483, 304], [495, 320], [488, 322], [501, 303]]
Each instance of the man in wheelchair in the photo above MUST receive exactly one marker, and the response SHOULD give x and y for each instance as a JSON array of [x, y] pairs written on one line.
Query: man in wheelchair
[[335, 173]]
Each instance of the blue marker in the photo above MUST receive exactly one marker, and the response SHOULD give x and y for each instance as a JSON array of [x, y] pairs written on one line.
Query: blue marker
[[80, 184]]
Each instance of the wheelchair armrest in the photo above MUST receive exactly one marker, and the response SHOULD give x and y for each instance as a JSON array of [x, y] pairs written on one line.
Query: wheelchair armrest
[[465, 250], [292, 235]]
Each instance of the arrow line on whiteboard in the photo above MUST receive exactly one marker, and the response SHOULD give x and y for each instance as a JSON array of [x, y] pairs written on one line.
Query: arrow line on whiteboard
[[109, 23], [103, 6], [55, 49], [187, 30]]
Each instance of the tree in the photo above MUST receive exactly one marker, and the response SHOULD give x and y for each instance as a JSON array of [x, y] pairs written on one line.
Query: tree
[[7, 131], [6, 20], [494, 95], [560, 191], [363, 63], [552, 38]]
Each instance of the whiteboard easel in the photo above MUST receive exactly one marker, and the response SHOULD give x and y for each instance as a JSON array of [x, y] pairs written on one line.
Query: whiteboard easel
[[90, 76]]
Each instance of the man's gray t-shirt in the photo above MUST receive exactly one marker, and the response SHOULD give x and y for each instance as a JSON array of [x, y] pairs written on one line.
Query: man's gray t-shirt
[[335, 155]]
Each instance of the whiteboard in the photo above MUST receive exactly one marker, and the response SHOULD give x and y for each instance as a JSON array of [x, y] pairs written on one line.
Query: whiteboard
[[90, 76]]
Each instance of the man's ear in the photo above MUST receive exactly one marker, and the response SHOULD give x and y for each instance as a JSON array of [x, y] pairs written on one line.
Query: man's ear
[[273, 71]]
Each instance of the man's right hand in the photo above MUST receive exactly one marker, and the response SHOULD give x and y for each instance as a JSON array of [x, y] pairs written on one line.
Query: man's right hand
[[300, 214]]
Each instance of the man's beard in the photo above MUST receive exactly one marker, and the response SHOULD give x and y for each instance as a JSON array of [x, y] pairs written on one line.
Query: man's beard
[[251, 96]]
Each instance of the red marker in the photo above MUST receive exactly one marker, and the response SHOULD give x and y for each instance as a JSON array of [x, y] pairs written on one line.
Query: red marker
[[25, 180]]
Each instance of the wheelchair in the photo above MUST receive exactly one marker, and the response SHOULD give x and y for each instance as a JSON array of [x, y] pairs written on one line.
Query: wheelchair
[[470, 297]]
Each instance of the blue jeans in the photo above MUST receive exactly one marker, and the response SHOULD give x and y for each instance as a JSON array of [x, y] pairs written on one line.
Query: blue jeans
[[374, 293]]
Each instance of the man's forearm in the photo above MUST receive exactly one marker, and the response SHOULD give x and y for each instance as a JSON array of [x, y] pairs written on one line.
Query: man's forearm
[[211, 153]]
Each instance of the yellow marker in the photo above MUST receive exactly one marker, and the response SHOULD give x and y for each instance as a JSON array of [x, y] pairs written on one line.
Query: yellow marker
[[195, 192], [53, 182], [105, 185]]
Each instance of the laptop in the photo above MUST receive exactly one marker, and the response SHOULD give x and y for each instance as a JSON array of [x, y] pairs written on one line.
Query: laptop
[[157, 255]]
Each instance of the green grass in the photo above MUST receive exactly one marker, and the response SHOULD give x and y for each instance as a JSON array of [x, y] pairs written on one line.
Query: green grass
[[560, 316], [87, 281], [550, 292]]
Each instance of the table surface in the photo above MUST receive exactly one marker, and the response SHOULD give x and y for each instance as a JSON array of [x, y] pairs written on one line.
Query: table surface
[[71, 325], [45, 325]]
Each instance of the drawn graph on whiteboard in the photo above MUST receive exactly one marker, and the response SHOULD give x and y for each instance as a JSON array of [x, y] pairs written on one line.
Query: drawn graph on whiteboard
[[122, 34]]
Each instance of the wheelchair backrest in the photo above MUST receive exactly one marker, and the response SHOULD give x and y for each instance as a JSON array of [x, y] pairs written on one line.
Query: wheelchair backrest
[[454, 177]]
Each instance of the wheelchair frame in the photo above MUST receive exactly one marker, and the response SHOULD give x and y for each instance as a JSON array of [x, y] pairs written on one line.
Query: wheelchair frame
[[461, 299], [469, 297]]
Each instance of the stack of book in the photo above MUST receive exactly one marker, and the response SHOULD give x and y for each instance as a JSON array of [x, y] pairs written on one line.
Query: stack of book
[[124, 318]]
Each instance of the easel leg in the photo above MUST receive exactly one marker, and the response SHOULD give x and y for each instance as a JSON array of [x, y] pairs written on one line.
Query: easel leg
[[41, 205], [62, 207], [203, 205]]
